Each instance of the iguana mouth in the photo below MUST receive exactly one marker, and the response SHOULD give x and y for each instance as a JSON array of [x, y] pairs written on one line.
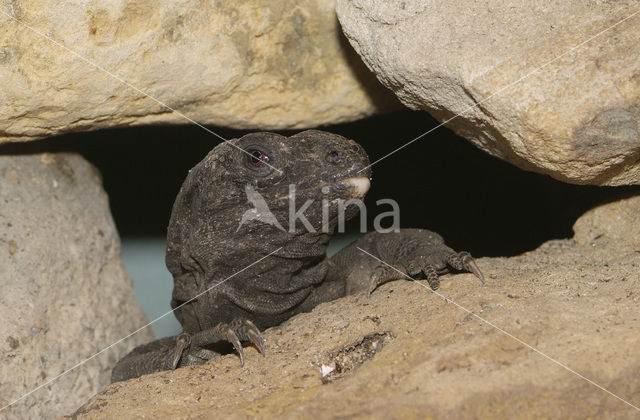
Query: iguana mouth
[[358, 184]]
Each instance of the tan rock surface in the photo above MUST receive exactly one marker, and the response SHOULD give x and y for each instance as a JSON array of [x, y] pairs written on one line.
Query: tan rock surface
[[574, 300], [557, 92], [253, 64], [64, 292]]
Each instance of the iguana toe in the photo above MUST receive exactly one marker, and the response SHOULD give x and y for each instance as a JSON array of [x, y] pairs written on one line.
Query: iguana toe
[[473, 267], [232, 337], [464, 261], [431, 273], [254, 335], [183, 341]]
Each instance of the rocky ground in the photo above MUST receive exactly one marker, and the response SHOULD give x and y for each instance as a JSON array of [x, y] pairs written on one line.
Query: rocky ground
[[526, 345]]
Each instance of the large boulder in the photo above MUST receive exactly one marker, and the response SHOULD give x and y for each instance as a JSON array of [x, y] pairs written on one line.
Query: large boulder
[[65, 294], [550, 86], [547, 322], [251, 64]]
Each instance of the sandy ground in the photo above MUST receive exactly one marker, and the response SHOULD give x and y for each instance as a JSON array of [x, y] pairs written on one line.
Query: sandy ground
[[548, 330]]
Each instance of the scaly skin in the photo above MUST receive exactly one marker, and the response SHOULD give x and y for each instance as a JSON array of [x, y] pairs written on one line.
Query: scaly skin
[[213, 244]]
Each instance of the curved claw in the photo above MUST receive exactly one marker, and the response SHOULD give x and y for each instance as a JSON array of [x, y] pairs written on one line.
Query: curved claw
[[473, 267], [233, 339], [183, 341], [255, 337], [373, 286]]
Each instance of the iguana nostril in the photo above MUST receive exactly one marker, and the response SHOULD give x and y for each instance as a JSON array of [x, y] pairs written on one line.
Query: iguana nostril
[[333, 157]]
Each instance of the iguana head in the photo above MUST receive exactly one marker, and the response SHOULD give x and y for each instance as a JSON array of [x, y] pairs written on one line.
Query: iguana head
[[259, 178]]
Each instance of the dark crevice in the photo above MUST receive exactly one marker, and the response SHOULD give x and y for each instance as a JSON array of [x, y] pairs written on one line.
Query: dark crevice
[[343, 361], [442, 182]]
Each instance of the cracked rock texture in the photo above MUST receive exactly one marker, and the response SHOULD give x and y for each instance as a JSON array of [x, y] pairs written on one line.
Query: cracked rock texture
[[65, 294], [409, 353], [556, 92], [252, 64]]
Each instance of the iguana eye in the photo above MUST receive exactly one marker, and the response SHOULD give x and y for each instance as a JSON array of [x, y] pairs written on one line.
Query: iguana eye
[[257, 158]]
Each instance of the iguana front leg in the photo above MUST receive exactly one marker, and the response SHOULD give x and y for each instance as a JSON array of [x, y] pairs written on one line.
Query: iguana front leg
[[186, 349], [417, 253]]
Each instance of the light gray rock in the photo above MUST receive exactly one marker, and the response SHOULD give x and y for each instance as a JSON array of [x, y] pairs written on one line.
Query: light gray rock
[[252, 64], [557, 92], [64, 292]]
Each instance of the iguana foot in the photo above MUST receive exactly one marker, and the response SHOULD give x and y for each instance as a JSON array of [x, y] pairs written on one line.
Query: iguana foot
[[463, 261], [191, 348], [423, 265]]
